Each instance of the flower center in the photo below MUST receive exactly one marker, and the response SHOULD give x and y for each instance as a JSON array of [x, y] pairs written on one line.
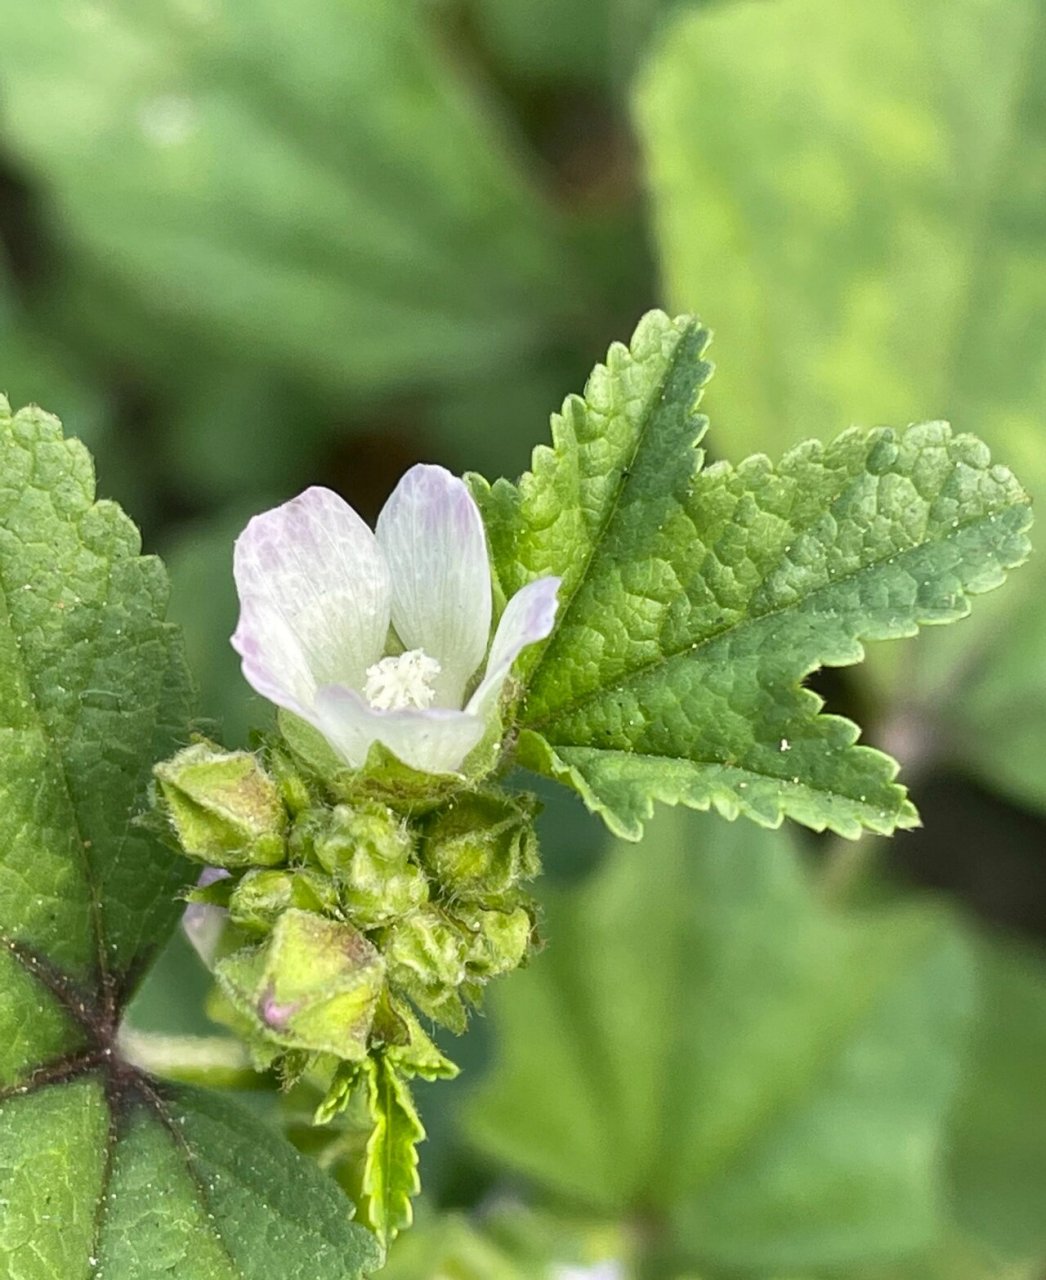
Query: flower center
[[404, 680]]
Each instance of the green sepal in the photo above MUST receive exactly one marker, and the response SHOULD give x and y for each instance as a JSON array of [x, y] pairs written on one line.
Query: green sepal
[[313, 985], [344, 1081], [383, 777], [225, 809], [482, 845], [419, 1056]]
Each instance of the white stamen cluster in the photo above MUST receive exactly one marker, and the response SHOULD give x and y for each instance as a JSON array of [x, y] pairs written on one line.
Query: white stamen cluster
[[404, 680]]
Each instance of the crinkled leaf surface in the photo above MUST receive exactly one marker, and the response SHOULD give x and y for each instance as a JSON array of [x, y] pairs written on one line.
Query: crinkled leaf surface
[[102, 1173], [696, 599], [327, 194], [854, 193], [659, 1031]]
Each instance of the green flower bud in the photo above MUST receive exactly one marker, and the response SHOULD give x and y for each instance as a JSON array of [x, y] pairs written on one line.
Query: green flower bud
[[292, 785], [313, 985], [367, 852], [425, 954], [225, 808], [498, 940], [482, 845], [261, 897]]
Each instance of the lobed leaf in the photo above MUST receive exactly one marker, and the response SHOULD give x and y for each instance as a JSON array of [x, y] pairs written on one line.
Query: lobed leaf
[[92, 690], [697, 599]]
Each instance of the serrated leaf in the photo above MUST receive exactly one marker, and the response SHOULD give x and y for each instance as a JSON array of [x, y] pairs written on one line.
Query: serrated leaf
[[695, 599], [869, 233], [769, 1078], [390, 1173], [102, 1173]]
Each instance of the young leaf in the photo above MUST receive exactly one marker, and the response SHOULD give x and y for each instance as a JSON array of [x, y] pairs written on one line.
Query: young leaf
[[390, 1175], [92, 691], [659, 1032], [696, 600]]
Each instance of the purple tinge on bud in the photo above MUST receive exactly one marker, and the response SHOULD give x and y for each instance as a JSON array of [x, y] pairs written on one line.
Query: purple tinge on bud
[[318, 591], [277, 1015], [203, 922]]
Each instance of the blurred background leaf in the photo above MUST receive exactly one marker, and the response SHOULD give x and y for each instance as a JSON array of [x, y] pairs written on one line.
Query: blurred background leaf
[[770, 1079]]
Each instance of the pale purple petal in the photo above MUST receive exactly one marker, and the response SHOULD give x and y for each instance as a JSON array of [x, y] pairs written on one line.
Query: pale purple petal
[[432, 535], [204, 922], [435, 740], [529, 617], [314, 598]]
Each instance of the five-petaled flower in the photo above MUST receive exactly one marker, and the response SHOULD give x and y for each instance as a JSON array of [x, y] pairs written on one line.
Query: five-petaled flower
[[318, 591]]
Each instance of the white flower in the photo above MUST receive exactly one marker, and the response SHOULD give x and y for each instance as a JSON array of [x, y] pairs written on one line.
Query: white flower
[[318, 591]]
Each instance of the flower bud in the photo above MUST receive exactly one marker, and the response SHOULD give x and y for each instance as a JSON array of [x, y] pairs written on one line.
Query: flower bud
[[498, 940], [367, 850], [425, 954], [261, 897], [313, 985], [225, 808], [481, 846]]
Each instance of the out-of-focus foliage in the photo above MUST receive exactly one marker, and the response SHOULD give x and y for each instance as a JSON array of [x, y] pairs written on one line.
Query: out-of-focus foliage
[[326, 194], [249, 246], [857, 201], [657, 1032]]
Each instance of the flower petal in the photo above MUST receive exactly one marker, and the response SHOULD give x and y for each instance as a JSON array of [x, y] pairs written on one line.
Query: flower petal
[[435, 740], [314, 598], [432, 535], [203, 922], [529, 617]]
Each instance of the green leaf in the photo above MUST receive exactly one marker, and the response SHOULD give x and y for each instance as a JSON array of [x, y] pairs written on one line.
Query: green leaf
[[102, 1171], [333, 198], [696, 600], [769, 1078], [869, 234], [390, 1172], [998, 1143]]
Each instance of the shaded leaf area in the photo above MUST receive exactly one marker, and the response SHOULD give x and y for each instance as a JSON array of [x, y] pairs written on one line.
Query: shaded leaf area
[[659, 1031], [998, 1145], [868, 187], [209, 170], [696, 600], [92, 691], [592, 41]]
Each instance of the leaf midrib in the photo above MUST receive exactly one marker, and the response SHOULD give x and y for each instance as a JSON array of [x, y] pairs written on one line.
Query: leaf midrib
[[644, 670], [626, 475]]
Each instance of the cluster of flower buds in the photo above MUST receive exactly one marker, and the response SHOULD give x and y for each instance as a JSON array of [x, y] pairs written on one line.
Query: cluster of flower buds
[[341, 918]]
